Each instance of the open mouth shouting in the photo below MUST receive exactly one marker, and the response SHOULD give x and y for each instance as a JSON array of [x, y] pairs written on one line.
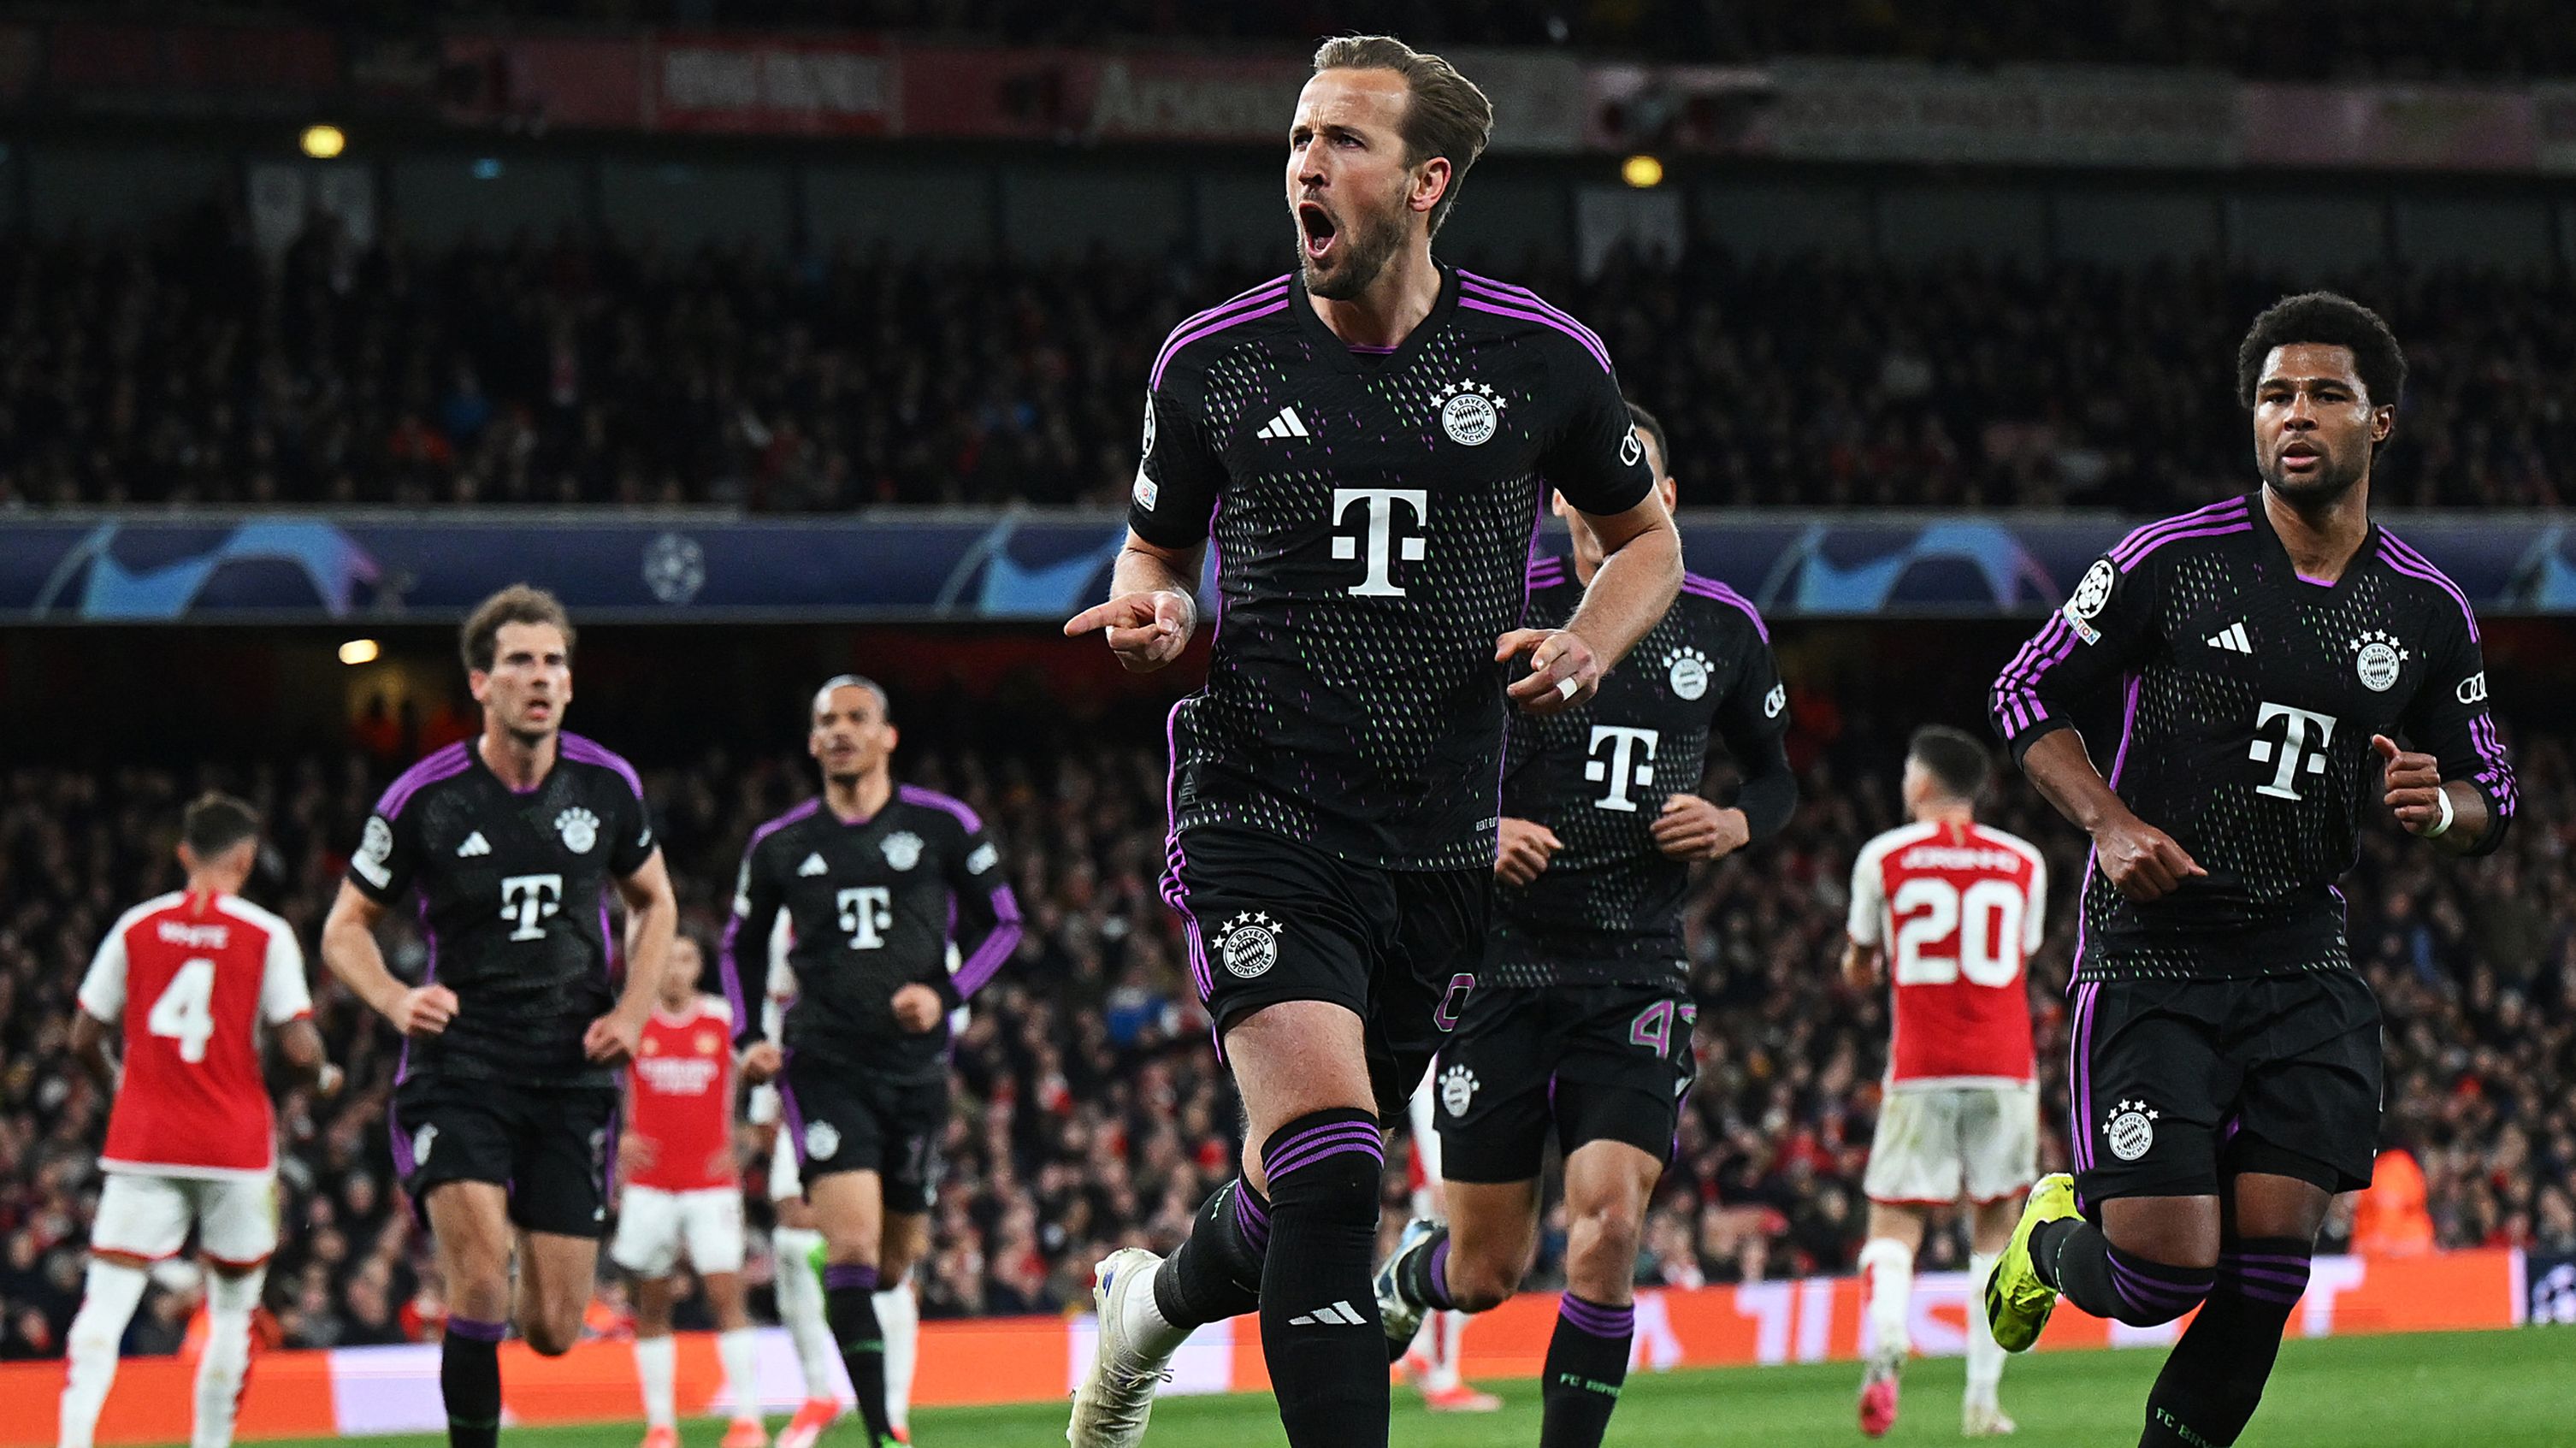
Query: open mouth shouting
[[1317, 231]]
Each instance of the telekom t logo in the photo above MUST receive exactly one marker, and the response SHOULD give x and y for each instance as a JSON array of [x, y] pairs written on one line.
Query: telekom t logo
[[866, 912], [1622, 768], [2294, 748], [526, 900], [1380, 580]]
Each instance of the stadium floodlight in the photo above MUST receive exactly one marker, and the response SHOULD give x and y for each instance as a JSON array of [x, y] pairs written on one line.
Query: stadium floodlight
[[1642, 171], [360, 651], [324, 142]]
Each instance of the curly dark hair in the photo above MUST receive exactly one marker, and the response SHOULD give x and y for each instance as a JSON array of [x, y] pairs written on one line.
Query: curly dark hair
[[2332, 320]]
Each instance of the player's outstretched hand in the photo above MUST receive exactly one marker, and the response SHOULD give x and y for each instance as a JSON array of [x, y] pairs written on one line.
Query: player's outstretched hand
[[1691, 828], [1563, 670], [611, 1040], [2414, 785], [2141, 861], [761, 1062], [424, 1010], [1523, 850], [917, 1008], [1146, 630]]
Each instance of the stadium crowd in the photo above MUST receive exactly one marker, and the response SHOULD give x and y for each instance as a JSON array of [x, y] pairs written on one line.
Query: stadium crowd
[[581, 371], [1091, 1111], [2399, 39]]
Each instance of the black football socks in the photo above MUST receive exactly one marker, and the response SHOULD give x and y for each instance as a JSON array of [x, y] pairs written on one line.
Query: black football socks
[[1216, 1272], [1319, 1320], [469, 1381], [2211, 1384], [847, 1290], [1587, 1363], [2075, 1258]]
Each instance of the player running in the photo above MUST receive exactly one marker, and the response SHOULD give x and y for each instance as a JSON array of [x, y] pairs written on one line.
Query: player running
[[2226, 1071], [1580, 1029], [683, 1194], [1432, 1360], [191, 1140], [1951, 909], [1364, 442], [796, 1246], [876, 878], [505, 1108]]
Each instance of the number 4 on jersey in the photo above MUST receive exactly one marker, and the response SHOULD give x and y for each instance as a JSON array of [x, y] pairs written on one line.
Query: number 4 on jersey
[[185, 1011]]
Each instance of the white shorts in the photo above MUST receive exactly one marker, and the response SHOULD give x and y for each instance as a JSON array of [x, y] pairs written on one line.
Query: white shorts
[[1937, 1144], [786, 1183], [653, 1226], [148, 1215]]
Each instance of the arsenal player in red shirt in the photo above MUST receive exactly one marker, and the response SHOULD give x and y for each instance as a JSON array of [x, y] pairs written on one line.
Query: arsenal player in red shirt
[[188, 982], [1952, 909], [683, 1193]]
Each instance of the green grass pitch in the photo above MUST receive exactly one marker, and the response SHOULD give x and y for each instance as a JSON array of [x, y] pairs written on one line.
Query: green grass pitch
[[2452, 1390]]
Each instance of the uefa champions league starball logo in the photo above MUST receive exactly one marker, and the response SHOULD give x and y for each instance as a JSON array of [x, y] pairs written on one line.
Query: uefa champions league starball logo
[[902, 849]]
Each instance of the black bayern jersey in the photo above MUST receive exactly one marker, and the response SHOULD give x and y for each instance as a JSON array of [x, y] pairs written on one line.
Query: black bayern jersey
[[1607, 908], [513, 891], [872, 905], [1372, 515], [2252, 693]]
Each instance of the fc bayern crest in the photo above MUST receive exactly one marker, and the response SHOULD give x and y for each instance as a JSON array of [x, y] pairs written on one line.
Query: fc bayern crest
[[579, 828], [2132, 1129], [1686, 669], [2377, 658], [1249, 945], [1470, 413], [822, 1139], [1457, 1089], [902, 849]]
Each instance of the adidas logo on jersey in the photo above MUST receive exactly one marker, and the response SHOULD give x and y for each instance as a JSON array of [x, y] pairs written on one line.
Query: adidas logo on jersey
[[813, 866], [1337, 1315], [2233, 639], [1286, 424], [474, 844]]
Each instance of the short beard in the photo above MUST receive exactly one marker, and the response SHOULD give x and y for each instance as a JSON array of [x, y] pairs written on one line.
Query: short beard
[[843, 781], [2329, 487], [1372, 244]]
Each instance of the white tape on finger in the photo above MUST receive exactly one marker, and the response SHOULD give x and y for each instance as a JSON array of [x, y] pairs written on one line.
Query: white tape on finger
[[1565, 688]]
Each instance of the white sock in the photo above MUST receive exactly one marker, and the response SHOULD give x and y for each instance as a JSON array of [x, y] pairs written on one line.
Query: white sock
[[800, 1307], [1985, 1355], [1154, 1336], [900, 1315], [226, 1360], [107, 1305], [1444, 1332], [1887, 1266], [656, 1364], [739, 1350]]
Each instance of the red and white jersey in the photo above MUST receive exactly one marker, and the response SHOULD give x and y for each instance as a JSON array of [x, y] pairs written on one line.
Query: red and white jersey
[[681, 1089], [204, 974], [1957, 909]]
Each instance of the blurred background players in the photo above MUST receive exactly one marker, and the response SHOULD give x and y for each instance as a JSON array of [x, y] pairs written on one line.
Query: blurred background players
[[505, 1111], [1580, 1025], [189, 981], [1432, 1361], [876, 881], [683, 1195], [1950, 910]]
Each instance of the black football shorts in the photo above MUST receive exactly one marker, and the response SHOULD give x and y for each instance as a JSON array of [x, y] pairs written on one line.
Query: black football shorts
[[553, 1149], [1584, 1062], [2179, 1084], [1272, 920], [844, 1117]]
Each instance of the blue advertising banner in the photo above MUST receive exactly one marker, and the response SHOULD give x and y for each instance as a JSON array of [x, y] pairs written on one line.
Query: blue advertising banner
[[705, 568]]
